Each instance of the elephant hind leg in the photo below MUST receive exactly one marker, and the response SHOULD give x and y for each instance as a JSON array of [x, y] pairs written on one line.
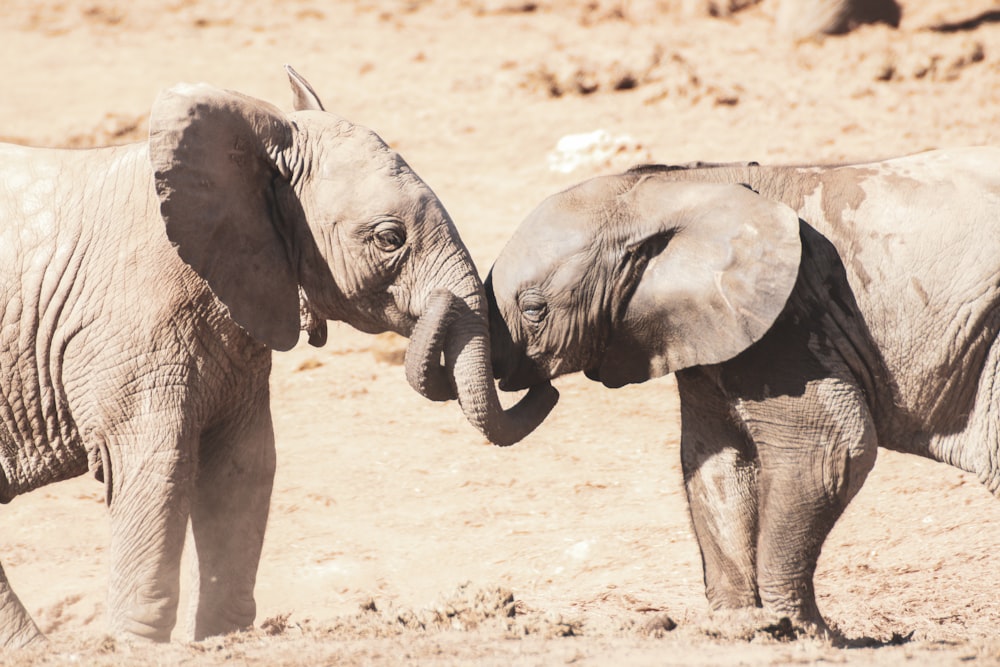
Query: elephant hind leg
[[16, 627], [816, 451]]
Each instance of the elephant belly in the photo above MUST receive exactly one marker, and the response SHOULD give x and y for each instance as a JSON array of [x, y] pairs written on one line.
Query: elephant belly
[[31, 459], [39, 440]]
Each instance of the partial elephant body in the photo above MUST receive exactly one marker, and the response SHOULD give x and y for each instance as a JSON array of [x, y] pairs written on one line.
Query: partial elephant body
[[897, 347], [920, 246], [880, 326], [144, 289], [80, 336], [920, 241], [117, 356]]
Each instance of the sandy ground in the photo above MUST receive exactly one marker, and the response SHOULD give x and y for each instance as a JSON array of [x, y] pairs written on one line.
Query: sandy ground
[[397, 535]]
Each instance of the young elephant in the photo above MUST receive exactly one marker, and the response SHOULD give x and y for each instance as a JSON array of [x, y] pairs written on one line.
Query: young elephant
[[144, 288], [810, 314]]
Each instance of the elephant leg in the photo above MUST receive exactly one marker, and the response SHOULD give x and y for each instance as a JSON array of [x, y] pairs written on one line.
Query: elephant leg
[[236, 473], [815, 451], [149, 507], [720, 476], [16, 627]]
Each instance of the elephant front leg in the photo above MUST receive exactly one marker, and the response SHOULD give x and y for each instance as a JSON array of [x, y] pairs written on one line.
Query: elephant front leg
[[720, 477], [149, 507], [16, 627], [815, 452], [236, 473]]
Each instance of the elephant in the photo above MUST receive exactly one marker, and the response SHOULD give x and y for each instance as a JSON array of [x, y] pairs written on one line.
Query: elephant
[[809, 315], [145, 288]]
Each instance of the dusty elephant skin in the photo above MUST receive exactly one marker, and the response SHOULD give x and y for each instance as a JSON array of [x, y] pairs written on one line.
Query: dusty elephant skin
[[810, 315], [145, 288]]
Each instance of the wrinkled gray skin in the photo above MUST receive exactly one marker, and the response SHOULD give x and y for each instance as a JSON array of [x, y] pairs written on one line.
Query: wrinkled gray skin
[[144, 288], [837, 310]]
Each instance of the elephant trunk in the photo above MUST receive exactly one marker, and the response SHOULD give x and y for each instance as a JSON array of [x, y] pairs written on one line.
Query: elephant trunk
[[450, 327]]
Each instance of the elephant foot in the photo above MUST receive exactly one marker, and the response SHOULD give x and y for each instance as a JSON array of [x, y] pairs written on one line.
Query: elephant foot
[[142, 629], [140, 635], [749, 623], [786, 628], [214, 624]]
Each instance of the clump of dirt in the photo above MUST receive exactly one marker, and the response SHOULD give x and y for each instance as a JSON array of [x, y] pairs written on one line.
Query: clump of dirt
[[580, 74], [659, 625], [586, 72], [276, 625], [492, 609], [55, 18], [945, 60], [923, 57], [593, 12]]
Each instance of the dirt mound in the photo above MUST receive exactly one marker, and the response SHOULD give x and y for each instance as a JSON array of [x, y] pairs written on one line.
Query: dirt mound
[[493, 610]]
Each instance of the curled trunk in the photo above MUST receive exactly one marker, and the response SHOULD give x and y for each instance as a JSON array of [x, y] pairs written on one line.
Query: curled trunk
[[449, 327]]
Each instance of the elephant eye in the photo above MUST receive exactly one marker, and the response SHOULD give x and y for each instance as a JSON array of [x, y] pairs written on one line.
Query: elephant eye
[[533, 308], [389, 236], [535, 315]]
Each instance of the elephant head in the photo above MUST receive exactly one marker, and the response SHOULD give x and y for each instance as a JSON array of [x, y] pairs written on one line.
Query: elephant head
[[294, 219], [630, 277]]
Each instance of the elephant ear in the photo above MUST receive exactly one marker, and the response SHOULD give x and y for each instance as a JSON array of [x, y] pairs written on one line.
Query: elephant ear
[[711, 269], [304, 98], [210, 151]]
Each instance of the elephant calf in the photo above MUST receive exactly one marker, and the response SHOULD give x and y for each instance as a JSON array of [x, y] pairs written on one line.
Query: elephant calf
[[810, 314], [144, 287]]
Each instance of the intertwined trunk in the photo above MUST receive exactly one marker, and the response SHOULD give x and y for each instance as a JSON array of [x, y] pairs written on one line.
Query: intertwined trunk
[[450, 327]]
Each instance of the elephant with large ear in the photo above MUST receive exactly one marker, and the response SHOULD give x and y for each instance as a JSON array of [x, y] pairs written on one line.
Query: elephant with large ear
[[810, 314], [144, 289]]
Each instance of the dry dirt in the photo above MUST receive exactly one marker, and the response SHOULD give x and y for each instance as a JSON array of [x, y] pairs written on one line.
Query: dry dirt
[[397, 535]]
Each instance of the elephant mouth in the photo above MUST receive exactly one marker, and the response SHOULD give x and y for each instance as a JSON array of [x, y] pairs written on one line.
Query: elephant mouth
[[505, 384], [595, 375], [612, 381], [524, 376]]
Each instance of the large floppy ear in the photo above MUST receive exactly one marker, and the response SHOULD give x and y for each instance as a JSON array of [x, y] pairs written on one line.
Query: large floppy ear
[[304, 98], [222, 198], [712, 267]]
